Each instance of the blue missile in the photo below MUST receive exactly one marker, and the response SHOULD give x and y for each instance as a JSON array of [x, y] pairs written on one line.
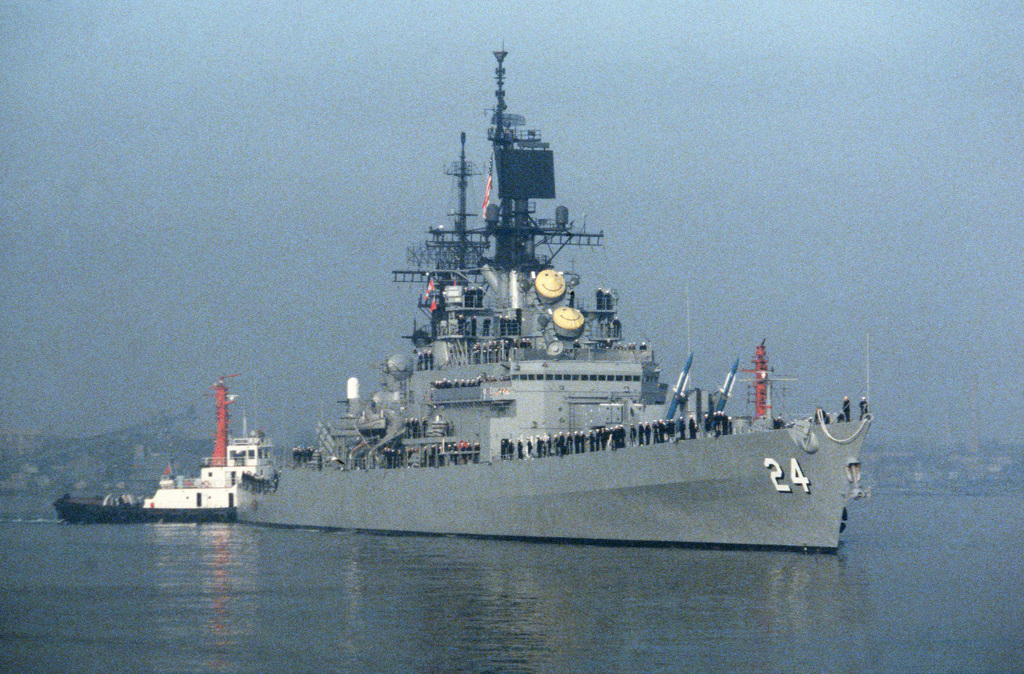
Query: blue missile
[[727, 386], [681, 385]]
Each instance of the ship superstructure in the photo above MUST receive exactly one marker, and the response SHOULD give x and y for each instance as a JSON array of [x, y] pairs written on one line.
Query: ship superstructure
[[520, 411]]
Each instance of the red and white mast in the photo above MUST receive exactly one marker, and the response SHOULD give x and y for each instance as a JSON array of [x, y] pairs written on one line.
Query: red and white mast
[[220, 447], [762, 393]]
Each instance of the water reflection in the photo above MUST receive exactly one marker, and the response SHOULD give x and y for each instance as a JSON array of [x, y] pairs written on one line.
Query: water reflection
[[233, 597], [203, 608], [922, 584], [514, 606]]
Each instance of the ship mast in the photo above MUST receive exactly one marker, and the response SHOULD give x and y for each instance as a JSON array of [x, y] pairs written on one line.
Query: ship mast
[[462, 170], [220, 447], [523, 171], [762, 400], [501, 221], [526, 172]]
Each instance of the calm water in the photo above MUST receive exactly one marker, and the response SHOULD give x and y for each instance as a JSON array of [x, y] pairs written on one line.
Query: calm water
[[926, 584]]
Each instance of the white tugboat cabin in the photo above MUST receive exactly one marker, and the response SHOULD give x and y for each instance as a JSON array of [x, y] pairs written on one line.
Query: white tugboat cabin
[[213, 496]]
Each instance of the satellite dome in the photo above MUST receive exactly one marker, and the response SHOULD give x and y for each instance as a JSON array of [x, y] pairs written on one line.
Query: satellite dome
[[400, 366], [569, 322], [550, 286]]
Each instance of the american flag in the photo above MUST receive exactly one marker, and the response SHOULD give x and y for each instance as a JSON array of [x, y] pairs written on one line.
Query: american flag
[[487, 194]]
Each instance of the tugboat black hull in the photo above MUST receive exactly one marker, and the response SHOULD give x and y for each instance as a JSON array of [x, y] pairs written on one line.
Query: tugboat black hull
[[94, 511]]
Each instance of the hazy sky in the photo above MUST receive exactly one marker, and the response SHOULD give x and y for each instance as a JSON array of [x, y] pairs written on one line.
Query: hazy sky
[[189, 189]]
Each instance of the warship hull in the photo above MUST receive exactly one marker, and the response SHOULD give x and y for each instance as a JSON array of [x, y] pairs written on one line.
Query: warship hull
[[700, 492]]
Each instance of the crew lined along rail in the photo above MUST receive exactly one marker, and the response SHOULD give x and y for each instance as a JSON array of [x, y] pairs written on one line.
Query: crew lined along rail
[[507, 350], [442, 452]]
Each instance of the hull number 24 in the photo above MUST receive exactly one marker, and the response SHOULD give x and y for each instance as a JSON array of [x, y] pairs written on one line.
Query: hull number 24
[[778, 476]]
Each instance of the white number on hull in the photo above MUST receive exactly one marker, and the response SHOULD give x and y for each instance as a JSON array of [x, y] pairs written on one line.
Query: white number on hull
[[797, 476], [778, 476]]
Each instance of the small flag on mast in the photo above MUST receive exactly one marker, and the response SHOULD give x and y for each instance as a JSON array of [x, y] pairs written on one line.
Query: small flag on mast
[[427, 295]]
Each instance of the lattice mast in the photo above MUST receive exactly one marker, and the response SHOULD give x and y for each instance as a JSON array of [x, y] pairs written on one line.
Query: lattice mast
[[223, 399], [762, 382], [461, 247]]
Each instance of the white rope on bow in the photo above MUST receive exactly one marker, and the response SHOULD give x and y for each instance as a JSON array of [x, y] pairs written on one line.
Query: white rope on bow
[[864, 424]]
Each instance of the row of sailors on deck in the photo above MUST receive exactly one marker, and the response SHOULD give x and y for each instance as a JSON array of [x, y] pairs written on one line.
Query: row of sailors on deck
[[461, 383], [491, 351], [441, 454], [561, 444], [499, 350], [418, 428], [614, 437], [568, 442], [611, 437]]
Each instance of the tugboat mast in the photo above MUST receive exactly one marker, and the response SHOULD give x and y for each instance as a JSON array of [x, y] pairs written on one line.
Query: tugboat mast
[[220, 447]]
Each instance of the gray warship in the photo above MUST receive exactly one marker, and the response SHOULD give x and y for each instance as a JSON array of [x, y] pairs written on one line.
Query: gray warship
[[519, 410]]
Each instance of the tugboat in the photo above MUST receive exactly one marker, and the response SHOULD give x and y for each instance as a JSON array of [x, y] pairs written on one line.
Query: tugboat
[[211, 497], [521, 412]]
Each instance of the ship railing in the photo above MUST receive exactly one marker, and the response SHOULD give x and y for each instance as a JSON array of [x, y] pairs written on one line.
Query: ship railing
[[448, 450], [618, 354], [182, 482], [457, 395], [210, 462]]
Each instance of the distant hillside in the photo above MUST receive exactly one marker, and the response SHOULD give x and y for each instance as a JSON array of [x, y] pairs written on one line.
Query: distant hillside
[[37, 468]]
